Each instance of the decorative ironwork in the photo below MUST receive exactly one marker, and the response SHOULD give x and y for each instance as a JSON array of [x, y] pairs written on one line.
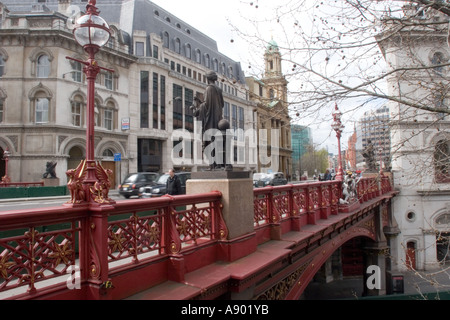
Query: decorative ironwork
[[134, 236], [282, 288], [75, 184], [35, 256]]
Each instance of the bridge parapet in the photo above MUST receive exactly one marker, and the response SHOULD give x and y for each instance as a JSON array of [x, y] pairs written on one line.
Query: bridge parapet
[[116, 251]]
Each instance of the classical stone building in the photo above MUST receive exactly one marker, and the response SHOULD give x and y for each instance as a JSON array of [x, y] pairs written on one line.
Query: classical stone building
[[420, 139], [270, 95], [159, 64], [43, 95]]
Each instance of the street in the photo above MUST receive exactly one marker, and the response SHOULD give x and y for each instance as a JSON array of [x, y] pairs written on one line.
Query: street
[[32, 203]]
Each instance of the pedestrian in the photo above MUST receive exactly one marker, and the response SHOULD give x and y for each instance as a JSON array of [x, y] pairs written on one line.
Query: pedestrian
[[173, 184], [327, 175]]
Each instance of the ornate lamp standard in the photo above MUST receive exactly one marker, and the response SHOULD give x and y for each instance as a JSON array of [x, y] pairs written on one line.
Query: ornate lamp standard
[[338, 126], [89, 182]]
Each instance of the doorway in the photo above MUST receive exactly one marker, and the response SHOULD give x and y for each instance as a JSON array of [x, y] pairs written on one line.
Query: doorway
[[75, 156], [411, 255]]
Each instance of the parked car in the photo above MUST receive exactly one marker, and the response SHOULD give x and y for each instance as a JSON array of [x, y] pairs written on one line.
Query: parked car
[[131, 184], [159, 188]]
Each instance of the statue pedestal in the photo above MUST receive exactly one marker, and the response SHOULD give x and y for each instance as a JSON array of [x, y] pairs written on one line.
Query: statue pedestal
[[238, 212], [50, 182], [349, 207]]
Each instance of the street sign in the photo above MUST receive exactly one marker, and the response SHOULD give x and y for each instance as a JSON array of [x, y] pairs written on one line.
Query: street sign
[[117, 156]]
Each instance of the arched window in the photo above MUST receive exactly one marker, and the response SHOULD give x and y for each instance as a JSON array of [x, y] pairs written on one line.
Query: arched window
[[177, 45], [216, 65], [207, 61], [198, 56], [166, 39], [188, 51], [2, 65], [42, 109], [77, 107], [442, 161], [40, 104], [43, 66], [2, 109]]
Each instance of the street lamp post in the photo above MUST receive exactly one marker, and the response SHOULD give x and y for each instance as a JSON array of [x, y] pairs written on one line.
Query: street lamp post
[[338, 127], [89, 182]]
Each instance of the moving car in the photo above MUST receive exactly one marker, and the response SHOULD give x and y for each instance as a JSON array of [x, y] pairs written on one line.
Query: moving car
[[159, 188], [131, 184], [269, 179]]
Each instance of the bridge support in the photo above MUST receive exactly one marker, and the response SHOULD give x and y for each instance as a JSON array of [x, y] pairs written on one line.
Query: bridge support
[[238, 214]]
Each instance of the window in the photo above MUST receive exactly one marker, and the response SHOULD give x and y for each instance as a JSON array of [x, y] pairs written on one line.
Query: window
[[198, 56], [2, 66], [144, 112], [163, 103], [140, 49], [177, 101], [177, 45], [155, 100], [188, 51], [241, 123], [2, 110], [226, 111], [442, 161], [43, 66], [108, 120], [76, 112], [166, 40], [41, 115], [77, 71], [207, 61], [155, 52], [109, 80], [188, 113]]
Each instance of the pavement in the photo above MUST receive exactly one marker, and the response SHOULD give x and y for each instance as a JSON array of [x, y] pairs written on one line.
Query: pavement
[[418, 285]]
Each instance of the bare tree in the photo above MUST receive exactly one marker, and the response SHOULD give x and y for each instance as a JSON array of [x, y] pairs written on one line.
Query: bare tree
[[365, 54]]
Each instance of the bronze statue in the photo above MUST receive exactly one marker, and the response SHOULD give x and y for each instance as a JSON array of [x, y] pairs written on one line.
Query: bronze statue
[[50, 170], [210, 113]]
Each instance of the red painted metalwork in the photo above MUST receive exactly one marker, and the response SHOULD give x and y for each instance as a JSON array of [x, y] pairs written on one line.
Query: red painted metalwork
[[137, 244], [89, 182]]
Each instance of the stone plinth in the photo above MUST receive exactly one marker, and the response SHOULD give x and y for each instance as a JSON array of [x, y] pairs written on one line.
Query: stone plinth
[[237, 199], [50, 182]]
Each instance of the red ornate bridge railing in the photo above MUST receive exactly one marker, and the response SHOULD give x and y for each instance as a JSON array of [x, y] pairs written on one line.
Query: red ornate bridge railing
[[38, 248]]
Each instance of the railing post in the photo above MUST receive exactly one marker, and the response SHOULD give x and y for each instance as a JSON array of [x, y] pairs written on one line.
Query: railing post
[[173, 244], [96, 255]]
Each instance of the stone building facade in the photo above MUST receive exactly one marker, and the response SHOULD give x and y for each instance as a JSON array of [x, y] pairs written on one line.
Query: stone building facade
[[420, 140], [160, 65]]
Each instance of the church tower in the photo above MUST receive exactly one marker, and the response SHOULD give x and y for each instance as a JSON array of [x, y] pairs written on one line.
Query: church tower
[[274, 80], [271, 106]]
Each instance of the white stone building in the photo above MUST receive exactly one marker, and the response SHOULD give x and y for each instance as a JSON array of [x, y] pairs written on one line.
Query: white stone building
[[420, 139]]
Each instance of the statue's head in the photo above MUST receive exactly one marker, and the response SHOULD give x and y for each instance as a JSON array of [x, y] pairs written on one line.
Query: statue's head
[[211, 75]]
